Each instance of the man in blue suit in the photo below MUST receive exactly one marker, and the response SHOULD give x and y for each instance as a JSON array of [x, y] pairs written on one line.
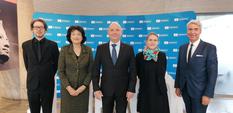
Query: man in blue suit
[[197, 70]]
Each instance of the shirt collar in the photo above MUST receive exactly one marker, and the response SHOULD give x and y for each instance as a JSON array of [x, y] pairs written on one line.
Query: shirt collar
[[196, 42], [42, 40], [117, 44]]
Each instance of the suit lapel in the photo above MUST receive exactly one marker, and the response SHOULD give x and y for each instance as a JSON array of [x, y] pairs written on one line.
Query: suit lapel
[[121, 51], [109, 57], [31, 48], [199, 47], [72, 54], [82, 54], [185, 53], [44, 49]]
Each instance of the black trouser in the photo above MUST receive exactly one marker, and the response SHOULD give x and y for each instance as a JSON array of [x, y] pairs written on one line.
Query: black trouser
[[108, 104], [41, 98]]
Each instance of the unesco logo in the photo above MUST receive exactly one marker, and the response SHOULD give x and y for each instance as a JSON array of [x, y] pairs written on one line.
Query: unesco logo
[[128, 22], [171, 58], [178, 35], [161, 20], [88, 28], [163, 35], [142, 35], [180, 19], [135, 28], [167, 42], [174, 65], [67, 42], [153, 28], [101, 42], [89, 42], [164, 50], [103, 29], [61, 34], [140, 50], [95, 35], [63, 21], [175, 50], [109, 22], [80, 21], [96, 22], [48, 34], [144, 21], [54, 27], [135, 43], [127, 36], [47, 19], [170, 27]]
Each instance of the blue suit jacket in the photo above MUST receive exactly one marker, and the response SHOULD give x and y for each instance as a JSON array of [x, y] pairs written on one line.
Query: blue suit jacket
[[200, 73]]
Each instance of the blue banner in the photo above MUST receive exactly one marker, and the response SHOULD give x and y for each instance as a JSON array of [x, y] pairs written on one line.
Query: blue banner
[[170, 27]]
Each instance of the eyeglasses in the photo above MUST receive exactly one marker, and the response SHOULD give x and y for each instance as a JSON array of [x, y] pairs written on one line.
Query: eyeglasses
[[38, 27]]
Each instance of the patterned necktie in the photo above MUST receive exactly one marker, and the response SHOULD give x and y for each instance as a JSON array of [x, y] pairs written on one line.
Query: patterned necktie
[[190, 53], [114, 54]]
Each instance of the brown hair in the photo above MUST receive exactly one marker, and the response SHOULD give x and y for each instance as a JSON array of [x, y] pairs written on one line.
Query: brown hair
[[39, 20]]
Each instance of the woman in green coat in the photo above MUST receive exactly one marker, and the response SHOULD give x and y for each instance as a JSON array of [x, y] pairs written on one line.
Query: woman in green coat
[[74, 66]]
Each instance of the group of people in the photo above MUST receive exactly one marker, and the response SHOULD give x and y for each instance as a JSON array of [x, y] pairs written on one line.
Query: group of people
[[114, 72]]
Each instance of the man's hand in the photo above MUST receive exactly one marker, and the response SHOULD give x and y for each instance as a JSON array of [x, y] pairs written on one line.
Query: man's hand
[[98, 94], [205, 100], [178, 92], [129, 95]]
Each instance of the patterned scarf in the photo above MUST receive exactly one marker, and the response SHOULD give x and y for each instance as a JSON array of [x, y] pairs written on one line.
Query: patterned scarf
[[151, 54]]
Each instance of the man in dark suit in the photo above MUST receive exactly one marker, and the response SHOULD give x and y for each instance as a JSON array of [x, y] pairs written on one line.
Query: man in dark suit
[[197, 70], [118, 79], [41, 60]]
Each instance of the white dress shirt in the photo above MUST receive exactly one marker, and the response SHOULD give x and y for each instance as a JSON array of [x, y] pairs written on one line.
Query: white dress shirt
[[118, 44], [195, 44]]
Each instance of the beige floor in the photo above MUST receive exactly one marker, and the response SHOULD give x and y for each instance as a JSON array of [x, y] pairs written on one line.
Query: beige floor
[[221, 104], [17, 106], [13, 106]]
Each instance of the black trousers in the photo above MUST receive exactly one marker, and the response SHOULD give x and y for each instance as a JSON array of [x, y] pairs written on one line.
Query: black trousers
[[41, 98], [108, 104]]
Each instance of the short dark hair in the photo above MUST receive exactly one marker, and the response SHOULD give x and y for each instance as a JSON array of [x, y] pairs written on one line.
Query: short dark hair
[[80, 29], [39, 20]]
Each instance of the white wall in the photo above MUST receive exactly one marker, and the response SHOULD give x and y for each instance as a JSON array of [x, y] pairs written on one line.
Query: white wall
[[131, 7]]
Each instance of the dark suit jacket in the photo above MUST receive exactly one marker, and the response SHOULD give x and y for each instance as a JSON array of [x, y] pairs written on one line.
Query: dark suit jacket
[[40, 73], [75, 72], [116, 79], [200, 73]]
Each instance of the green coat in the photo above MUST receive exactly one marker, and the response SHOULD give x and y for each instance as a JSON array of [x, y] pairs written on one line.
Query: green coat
[[75, 72]]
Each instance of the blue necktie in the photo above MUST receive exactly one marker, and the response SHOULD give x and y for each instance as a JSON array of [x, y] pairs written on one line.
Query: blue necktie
[[114, 54], [190, 53]]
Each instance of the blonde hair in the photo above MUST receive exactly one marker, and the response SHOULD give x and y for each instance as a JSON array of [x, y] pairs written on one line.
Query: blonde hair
[[151, 33]]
